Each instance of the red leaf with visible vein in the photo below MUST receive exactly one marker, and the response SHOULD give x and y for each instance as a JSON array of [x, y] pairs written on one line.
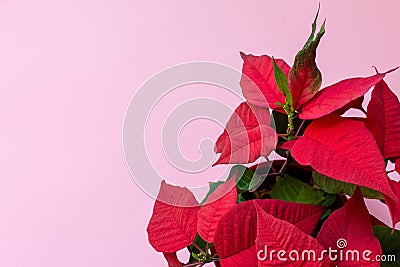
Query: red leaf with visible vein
[[258, 81], [345, 150], [352, 223], [237, 229], [246, 116], [275, 234], [219, 202], [338, 95], [246, 146], [172, 260], [173, 224], [397, 168], [383, 120]]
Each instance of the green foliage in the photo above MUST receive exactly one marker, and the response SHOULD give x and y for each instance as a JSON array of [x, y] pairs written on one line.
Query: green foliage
[[390, 243], [333, 186], [293, 190], [282, 82]]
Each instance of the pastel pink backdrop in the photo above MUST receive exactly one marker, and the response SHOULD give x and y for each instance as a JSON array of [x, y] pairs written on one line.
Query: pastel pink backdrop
[[68, 70]]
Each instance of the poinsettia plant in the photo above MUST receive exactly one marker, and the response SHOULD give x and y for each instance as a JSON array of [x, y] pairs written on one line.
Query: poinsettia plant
[[311, 196]]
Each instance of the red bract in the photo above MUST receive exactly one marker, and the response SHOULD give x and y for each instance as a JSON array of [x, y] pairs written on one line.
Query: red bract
[[237, 229], [258, 81], [305, 78], [173, 224], [338, 95], [325, 154], [247, 146], [172, 260], [247, 136], [350, 229], [245, 117], [277, 235], [383, 120], [345, 150], [219, 202]]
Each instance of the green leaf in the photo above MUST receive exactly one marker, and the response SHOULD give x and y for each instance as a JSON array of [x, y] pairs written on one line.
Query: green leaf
[[326, 214], [244, 177], [333, 186], [390, 244], [329, 200], [314, 28], [195, 256], [256, 182], [240, 198], [291, 189], [282, 82]]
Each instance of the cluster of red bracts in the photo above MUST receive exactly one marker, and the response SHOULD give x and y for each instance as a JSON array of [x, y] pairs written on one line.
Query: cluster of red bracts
[[349, 149]]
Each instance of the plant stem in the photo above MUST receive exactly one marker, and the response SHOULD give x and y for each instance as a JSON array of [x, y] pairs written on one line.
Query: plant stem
[[214, 252], [290, 128], [194, 264], [300, 127], [284, 164], [199, 248]]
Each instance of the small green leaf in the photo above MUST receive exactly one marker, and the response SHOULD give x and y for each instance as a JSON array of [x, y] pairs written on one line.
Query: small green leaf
[[195, 256], [256, 182], [244, 177], [326, 214], [282, 82], [291, 189], [329, 199], [314, 28], [390, 244], [240, 198], [333, 186]]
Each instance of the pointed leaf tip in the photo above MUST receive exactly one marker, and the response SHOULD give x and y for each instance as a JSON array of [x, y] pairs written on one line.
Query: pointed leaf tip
[[389, 71], [352, 224], [386, 72], [173, 223]]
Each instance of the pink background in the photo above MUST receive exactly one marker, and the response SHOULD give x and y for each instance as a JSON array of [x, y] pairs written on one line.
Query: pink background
[[68, 70]]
